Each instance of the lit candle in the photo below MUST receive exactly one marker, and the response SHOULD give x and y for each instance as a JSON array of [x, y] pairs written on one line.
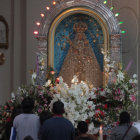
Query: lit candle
[[101, 133]]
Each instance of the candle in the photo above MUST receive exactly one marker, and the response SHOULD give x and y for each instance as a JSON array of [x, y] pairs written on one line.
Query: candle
[[101, 133]]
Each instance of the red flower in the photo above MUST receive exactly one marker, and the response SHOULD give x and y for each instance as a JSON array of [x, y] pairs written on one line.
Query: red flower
[[87, 121], [105, 106], [94, 100], [57, 80], [102, 113], [8, 119], [89, 106], [99, 112], [102, 89]]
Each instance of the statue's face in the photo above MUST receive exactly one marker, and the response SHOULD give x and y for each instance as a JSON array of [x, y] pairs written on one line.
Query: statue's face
[[80, 36]]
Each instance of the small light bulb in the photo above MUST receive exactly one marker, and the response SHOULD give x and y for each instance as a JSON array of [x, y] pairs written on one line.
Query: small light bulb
[[105, 2], [123, 32], [54, 2], [48, 8], [112, 8], [42, 15], [117, 14], [35, 32], [38, 23], [120, 22]]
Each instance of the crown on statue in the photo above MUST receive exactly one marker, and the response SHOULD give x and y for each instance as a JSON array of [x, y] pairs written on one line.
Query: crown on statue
[[80, 27]]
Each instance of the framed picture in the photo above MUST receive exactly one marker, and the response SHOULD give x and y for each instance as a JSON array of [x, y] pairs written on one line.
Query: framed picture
[[3, 33]]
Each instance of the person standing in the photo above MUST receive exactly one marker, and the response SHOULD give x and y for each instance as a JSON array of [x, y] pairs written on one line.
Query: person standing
[[27, 123], [125, 130], [58, 127], [82, 131]]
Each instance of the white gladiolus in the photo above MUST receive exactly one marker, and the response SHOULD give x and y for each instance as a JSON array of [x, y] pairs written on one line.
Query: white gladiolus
[[33, 78], [135, 76], [75, 79], [120, 75], [13, 95], [76, 100], [48, 83]]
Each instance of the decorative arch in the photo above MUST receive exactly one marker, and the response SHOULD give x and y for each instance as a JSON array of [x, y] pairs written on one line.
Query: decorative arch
[[101, 10], [63, 9]]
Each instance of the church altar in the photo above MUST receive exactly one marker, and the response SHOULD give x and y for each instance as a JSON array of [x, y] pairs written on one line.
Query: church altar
[[78, 62]]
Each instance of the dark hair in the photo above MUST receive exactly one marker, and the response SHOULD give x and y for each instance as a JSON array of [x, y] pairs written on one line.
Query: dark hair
[[28, 138], [124, 117], [58, 108], [82, 127], [27, 105], [84, 138], [136, 137], [44, 115]]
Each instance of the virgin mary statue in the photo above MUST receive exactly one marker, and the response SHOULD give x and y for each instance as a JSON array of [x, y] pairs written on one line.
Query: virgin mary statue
[[81, 60]]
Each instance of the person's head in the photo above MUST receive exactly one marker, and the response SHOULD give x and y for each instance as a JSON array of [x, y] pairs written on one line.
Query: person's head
[[136, 137], [82, 127], [27, 105], [84, 138], [58, 108], [44, 115], [124, 117], [28, 138]]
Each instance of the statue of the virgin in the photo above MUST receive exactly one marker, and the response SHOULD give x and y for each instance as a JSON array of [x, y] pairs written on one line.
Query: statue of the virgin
[[81, 60]]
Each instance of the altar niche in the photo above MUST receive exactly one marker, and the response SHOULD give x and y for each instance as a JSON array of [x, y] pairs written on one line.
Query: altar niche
[[78, 41]]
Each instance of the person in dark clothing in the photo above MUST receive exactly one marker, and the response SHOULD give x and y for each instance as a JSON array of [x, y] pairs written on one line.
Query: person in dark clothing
[[82, 131], [28, 138], [57, 128], [44, 115], [136, 138]]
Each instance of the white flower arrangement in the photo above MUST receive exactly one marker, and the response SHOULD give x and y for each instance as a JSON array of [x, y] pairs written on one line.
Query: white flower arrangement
[[76, 99]]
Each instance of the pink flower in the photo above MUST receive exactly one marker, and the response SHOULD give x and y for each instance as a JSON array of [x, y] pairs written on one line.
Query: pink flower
[[45, 105], [5, 107], [117, 98], [119, 91], [52, 72], [114, 80], [132, 98], [39, 110]]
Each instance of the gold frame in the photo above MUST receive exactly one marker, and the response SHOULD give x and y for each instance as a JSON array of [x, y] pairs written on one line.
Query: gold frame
[[65, 14], [4, 45]]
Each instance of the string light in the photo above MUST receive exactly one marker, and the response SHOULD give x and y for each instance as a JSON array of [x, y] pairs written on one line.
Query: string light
[[35, 32], [38, 23], [105, 2], [48, 8], [123, 32], [54, 2], [42, 15], [112, 8], [120, 22], [117, 14]]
